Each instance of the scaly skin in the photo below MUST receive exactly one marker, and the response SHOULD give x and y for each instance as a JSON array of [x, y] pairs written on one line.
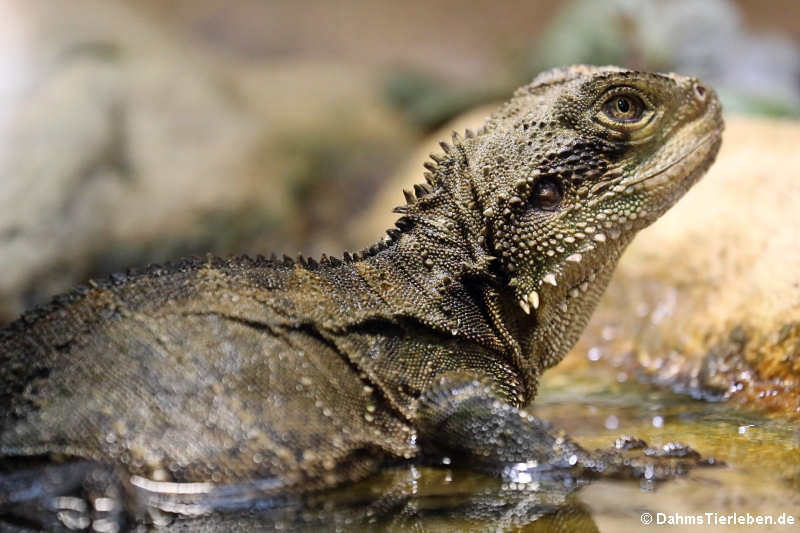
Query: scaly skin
[[303, 375]]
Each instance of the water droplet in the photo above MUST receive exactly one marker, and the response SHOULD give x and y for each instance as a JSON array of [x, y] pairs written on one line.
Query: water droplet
[[524, 477], [594, 353]]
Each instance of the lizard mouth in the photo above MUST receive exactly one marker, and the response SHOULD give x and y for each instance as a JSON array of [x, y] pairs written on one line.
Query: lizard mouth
[[662, 175]]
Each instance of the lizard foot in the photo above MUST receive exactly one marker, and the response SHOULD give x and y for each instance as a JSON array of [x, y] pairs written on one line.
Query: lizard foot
[[633, 458]]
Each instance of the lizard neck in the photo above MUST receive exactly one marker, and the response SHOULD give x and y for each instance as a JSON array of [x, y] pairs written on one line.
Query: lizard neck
[[437, 268], [437, 248]]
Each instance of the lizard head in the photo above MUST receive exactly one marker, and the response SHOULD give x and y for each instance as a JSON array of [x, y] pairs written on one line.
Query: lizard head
[[571, 168]]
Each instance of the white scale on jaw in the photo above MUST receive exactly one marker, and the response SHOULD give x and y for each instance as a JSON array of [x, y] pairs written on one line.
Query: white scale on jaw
[[530, 299], [608, 221]]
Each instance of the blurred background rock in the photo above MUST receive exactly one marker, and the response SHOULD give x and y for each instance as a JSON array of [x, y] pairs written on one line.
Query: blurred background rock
[[138, 131]]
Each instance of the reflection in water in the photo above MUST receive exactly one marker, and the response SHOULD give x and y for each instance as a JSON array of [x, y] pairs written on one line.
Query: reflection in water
[[762, 476], [407, 498]]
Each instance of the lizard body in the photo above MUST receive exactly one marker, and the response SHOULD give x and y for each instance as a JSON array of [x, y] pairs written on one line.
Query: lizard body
[[312, 373]]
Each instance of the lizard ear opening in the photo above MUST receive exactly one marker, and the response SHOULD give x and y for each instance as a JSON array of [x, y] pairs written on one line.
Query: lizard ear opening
[[547, 195]]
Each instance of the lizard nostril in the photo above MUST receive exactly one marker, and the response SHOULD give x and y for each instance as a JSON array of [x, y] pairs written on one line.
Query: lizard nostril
[[700, 92]]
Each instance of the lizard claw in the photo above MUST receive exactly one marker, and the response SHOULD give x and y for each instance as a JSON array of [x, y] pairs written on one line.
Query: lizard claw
[[669, 461]]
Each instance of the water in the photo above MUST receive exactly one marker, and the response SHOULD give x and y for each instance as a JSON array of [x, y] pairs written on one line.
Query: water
[[762, 455], [761, 476]]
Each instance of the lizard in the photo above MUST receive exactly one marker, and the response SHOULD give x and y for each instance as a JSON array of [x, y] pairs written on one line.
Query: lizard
[[301, 374]]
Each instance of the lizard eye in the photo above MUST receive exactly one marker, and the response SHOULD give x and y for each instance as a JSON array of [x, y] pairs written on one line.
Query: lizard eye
[[624, 108], [547, 195]]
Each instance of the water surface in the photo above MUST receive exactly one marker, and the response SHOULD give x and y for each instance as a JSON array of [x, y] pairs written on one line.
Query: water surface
[[760, 476]]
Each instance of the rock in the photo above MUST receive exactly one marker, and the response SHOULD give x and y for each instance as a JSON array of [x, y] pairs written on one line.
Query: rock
[[707, 300], [123, 147]]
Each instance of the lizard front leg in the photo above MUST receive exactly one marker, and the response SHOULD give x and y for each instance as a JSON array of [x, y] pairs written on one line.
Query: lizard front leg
[[460, 416]]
